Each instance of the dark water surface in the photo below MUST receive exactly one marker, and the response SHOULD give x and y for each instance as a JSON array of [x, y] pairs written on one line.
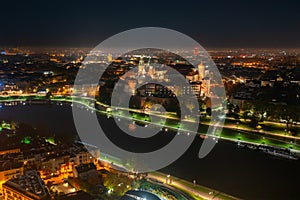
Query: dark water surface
[[243, 173]]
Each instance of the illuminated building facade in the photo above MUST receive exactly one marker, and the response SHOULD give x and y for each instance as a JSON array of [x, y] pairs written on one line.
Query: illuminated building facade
[[26, 187]]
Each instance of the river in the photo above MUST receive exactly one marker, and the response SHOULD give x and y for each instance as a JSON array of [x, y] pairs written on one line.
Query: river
[[243, 173]]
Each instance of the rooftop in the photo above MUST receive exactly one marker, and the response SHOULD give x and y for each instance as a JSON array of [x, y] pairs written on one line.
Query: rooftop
[[76, 196], [133, 194], [29, 184], [85, 167]]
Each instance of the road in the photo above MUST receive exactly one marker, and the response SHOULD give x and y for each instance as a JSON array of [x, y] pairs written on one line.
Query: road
[[86, 102], [189, 187], [89, 103], [177, 185]]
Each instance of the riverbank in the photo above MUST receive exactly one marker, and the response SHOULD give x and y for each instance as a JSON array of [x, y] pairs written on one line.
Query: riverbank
[[242, 172]]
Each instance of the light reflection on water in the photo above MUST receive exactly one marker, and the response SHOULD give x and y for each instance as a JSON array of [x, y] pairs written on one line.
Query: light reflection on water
[[240, 172]]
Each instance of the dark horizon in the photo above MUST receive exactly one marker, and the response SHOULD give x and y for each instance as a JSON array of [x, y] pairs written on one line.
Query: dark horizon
[[207, 48], [218, 24]]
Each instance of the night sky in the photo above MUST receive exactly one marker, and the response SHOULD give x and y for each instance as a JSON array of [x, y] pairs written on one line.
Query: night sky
[[212, 23]]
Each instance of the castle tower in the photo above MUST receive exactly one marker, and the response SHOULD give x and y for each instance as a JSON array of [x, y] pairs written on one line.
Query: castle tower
[[201, 71], [109, 58], [141, 67]]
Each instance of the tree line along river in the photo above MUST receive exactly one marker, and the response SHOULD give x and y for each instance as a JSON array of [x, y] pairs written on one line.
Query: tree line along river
[[241, 172]]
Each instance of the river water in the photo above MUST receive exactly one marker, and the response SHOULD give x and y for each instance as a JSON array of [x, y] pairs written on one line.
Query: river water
[[244, 173]]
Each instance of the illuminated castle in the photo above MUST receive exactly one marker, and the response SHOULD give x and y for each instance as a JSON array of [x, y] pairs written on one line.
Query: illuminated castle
[[201, 71], [154, 72], [200, 80]]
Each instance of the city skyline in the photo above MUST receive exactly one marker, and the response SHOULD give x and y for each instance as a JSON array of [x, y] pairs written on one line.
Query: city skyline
[[37, 95], [149, 100]]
